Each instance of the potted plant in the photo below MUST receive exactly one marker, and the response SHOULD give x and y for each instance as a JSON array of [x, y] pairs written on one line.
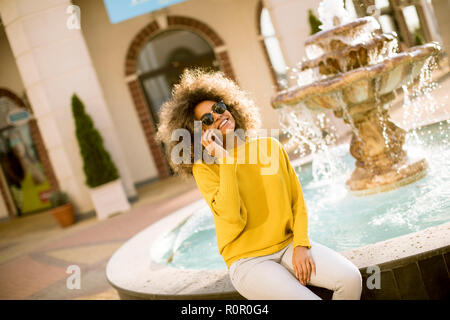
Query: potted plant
[[105, 186], [62, 208]]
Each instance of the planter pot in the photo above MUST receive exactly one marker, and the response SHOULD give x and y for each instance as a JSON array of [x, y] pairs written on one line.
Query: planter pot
[[64, 215], [109, 198]]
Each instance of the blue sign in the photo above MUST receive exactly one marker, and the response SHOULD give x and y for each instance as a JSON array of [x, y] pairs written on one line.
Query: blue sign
[[18, 117], [120, 10]]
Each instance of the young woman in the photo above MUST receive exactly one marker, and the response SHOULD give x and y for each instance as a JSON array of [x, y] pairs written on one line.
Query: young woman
[[260, 219]]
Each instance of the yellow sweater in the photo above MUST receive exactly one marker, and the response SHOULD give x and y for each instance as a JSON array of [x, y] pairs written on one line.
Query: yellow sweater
[[254, 214]]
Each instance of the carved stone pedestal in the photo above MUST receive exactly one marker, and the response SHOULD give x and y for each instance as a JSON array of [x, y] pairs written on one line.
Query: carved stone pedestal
[[377, 145]]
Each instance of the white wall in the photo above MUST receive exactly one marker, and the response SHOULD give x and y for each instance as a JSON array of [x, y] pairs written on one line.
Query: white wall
[[441, 9], [290, 19], [9, 73]]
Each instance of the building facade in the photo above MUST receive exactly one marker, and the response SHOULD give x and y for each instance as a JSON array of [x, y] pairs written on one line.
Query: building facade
[[124, 71]]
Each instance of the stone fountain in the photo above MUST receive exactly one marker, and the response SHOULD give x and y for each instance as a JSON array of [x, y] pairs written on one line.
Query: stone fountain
[[354, 69]]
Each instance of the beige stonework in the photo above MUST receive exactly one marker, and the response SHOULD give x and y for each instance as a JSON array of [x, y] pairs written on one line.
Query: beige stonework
[[54, 63]]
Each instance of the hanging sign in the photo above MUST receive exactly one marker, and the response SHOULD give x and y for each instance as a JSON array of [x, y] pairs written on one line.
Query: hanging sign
[[120, 10], [18, 117]]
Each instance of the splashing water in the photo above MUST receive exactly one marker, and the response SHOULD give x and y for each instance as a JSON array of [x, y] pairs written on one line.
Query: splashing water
[[336, 218], [379, 111], [309, 132], [334, 213], [328, 10], [419, 103]]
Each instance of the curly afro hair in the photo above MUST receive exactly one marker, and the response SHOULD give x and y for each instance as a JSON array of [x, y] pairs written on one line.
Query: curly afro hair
[[197, 85]]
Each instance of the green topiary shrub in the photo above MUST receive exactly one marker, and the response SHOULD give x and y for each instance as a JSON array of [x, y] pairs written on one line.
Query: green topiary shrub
[[314, 23], [98, 165], [418, 41]]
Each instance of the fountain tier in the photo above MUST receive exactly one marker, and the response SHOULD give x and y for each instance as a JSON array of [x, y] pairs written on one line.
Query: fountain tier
[[356, 71]]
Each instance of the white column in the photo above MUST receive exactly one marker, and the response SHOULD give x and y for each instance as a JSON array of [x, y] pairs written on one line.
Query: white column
[[290, 21], [54, 63], [291, 24], [431, 19], [441, 20]]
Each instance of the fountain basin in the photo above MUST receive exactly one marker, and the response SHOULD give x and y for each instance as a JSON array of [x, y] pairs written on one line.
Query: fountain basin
[[337, 39], [421, 257], [358, 86], [359, 55], [362, 97], [407, 258]]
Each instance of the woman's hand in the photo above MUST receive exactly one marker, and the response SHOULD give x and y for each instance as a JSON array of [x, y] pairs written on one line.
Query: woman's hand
[[213, 148], [303, 264]]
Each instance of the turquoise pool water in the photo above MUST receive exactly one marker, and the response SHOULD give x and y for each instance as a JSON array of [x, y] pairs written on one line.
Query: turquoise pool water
[[337, 218]]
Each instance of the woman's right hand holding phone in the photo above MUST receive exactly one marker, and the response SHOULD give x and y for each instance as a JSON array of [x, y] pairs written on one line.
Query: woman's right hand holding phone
[[213, 147]]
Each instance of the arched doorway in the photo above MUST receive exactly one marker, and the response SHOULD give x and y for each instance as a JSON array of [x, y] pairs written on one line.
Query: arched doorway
[[162, 60], [26, 182], [147, 101]]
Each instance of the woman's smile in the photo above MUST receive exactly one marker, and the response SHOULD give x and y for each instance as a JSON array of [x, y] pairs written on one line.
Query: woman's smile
[[224, 123]]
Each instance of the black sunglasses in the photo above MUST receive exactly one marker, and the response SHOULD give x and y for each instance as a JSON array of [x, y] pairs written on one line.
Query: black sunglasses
[[218, 108]]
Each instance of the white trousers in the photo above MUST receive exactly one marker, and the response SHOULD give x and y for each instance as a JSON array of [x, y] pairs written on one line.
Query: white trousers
[[272, 277]]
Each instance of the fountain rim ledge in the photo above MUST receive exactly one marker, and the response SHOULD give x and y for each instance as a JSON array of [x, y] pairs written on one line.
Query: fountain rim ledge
[[131, 271], [370, 44], [297, 93]]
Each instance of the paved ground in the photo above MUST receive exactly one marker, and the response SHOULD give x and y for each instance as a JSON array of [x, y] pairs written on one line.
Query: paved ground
[[35, 252]]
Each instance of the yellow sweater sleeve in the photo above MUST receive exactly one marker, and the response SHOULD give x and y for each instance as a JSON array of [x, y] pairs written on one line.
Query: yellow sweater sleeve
[[299, 209], [221, 192]]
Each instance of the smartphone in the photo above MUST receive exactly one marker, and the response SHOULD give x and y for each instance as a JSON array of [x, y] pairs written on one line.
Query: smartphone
[[217, 139]]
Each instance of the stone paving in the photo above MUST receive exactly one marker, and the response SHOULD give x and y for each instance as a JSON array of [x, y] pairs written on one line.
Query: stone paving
[[35, 252]]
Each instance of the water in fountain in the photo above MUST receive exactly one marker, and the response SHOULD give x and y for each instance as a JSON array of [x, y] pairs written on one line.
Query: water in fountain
[[179, 244], [338, 218], [418, 99], [328, 10], [380, 111], [311, 133], [354, 70]]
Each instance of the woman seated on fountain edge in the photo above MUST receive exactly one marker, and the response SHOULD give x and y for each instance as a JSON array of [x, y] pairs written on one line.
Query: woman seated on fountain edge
[[260, 219]]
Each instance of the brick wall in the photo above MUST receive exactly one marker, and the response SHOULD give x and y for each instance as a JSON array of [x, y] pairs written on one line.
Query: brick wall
[[137, 93]]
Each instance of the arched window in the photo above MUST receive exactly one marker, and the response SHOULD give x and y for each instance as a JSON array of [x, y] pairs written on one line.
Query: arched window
[[163, 59], [156, 56], [271, 47]]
